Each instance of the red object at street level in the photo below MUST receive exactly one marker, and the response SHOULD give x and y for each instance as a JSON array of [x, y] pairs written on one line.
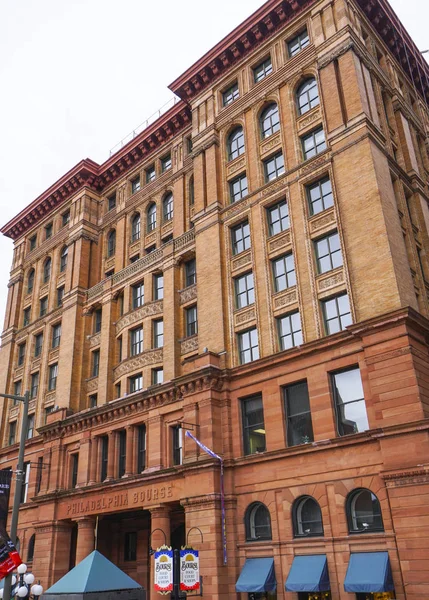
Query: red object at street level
[[9, 562]]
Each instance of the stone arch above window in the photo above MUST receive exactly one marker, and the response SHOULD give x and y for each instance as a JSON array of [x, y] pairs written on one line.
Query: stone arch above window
[[258, 522], [307, 517], [235, 143], [363, 512], [307, 95], [269, 120]]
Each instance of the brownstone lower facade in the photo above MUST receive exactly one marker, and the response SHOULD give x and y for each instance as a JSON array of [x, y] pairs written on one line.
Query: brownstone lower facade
[[166, 501]]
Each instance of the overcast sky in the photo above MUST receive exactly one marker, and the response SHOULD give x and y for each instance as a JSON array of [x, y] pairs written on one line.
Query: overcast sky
[[77, 76]]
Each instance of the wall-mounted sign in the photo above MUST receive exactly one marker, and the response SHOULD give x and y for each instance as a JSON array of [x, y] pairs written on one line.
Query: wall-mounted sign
[[163, 570], [189, 569]]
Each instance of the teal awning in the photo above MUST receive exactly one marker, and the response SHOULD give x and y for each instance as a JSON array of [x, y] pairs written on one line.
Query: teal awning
[[369, 572], [257, 575], [95, 573], [308, 574]]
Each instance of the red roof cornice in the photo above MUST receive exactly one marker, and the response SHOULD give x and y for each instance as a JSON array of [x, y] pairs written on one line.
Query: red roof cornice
[[88, 173]]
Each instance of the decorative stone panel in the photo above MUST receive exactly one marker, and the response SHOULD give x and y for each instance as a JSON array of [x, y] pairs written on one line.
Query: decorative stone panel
[[150, 238], [44, 290], [189, 345], [95, 340], [150, 357], [32, 405], [244, 316], [92, 384], [235, 166], [280, 241], [53, 354], [61, 278], [330, 280], [50, 399], [147, 310], [19, 373], [109, 263], [13, 412], [271, 145], [286, 298], [184, 240], [189, 293], [134, 247], [309, 119], [35, 364], [327, 218], [167, 228], [275, 187], [241, 261]]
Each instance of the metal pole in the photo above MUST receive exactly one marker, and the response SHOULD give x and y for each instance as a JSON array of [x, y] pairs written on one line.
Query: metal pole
[[18, 487]]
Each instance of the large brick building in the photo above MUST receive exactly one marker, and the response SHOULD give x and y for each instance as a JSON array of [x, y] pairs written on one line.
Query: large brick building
[[252, 267]]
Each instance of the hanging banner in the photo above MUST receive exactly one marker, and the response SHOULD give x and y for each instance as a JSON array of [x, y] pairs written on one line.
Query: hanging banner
[[189, 570], [9, 557], [222, 491], [163, 580]]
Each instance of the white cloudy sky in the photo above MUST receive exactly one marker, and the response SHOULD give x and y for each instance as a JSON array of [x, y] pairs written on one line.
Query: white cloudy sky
[[77, 76]]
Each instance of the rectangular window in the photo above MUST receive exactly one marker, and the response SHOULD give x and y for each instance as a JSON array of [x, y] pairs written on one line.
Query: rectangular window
[[248, 348], [141, 449], [166, 163], [26, 316], [38, 343], [65, 218], [24, 489], [336, 313], [119, 347], [298, 416], [262, 70], [253, 425], [278, 218], [60, 296], [118, 390], [34, 387], [177, 445], [104, 440], [244, 290], [150, 249], [136, 341], [130, 546], [313, 143], [150, 174], [111, 202], [274, 167], [290, 333], [43, 306], [135, 184], [12, 433], [39, 474], [158, 333], [238, 188], [53, 374], [284, 272], [74, 469], [136, 383], [191, 321], [320, 196], [21, 354], [240, 237], [190, 272], [134, 258], [17, 390], [298, 43], [95, 363], [328, 253], [56, 335], [157, 376], [97, 320], [349, 401], [30, 427], [230, 94], [33, 242], [158, 287], [48, 411], [137, 292], [48, 231], [122, 454], [93, 401]]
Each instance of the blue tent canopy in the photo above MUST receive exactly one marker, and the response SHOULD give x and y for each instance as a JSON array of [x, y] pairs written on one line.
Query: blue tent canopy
[[369, 572], [257, 575], [308, 574], [95, 573]]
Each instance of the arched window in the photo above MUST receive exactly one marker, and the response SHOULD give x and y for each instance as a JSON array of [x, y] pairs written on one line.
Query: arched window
[[269, 119], [111, 243], [63, 259], [258, 522], [47, 270], [151, 217], [191, 191], [167, 207], [30, 281], [364, 512], [31, 543], [307, 517], [235, 144], [135, 227], [307, 96]]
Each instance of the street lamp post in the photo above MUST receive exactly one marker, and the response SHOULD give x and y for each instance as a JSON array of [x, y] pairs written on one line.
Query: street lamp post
[[25, 399]]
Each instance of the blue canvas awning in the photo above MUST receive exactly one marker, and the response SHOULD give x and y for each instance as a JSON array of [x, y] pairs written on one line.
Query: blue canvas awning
[[308, 574], [369, 572], [257, 575]]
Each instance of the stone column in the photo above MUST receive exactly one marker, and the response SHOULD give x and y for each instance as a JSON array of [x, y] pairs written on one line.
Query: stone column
[[160, 522], [129, 460], [52, 551], [85, 537], [84, 464], [93, 461], [111, 456]]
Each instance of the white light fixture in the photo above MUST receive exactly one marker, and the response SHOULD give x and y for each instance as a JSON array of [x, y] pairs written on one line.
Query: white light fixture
[[22, 591], [37, 589], [22, 569], [29, 578]]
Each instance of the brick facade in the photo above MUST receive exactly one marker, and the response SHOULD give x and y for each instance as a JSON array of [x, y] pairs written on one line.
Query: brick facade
[[126, 365]]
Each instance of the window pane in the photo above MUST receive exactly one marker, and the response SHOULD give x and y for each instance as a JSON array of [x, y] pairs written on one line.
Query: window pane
[[253, 425], [297, 406]]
